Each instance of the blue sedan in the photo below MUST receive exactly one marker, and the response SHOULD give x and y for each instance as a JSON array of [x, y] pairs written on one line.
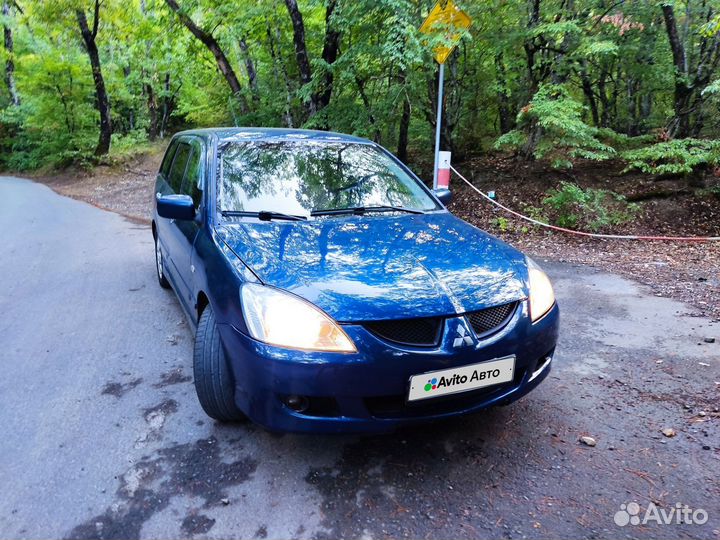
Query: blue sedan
[[331, 291]]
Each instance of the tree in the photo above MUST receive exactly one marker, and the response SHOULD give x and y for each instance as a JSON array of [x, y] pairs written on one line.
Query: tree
[[212, 45], [331, 47], [321, 93], [556, 79], [9, 51], [301, 54], [690, 80], [103, 103]]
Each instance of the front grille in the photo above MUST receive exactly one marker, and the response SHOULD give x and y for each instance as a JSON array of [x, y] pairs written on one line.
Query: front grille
[[490, 320], [424, 332]]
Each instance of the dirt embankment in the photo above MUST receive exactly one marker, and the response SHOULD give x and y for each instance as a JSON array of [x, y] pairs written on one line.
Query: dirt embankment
[[125, 187], [688, 271]]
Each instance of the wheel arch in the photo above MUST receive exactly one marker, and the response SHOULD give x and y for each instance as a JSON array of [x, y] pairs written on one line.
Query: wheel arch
[[201, 303]]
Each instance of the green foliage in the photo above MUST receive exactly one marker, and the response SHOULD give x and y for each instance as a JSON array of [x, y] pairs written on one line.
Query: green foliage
[[712, 90], [712, 27], [557, 118], [501, 223], [512, 140], [599, 49], [620, 141], [684, 156], [576, 82], [585, 209]]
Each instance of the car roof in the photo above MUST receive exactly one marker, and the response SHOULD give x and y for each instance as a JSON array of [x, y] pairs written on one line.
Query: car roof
[[230, 134]]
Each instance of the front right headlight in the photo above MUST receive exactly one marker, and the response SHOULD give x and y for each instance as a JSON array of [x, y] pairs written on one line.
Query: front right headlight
[[542, 296], [283, 319]]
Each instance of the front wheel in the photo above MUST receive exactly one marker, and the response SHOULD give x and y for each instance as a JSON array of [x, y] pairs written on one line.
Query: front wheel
[[213, 379], [160, 267]]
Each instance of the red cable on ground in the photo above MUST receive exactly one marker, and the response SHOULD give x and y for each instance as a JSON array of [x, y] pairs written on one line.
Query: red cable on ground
[[593, 235]]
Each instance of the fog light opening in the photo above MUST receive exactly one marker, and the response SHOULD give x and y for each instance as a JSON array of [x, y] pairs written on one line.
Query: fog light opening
[[298, 403], [543, 363]]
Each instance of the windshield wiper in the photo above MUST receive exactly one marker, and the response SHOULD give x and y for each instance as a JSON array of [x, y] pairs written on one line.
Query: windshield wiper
[[262, 215], [360, 210]]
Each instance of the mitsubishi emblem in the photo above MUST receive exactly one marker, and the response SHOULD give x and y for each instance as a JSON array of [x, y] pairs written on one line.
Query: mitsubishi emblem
[[462, 338]]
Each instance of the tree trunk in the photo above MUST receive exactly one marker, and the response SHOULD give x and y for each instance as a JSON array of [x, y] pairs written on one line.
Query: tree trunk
[[699, 122], [403, 132], [604, 100], [531, 49], [152, 103], [366, 101], [527, 152], [301, 54], [250, 68], [152, 112], [633, 127], [131, 110], [103, 103], [645, 109], [167, 106], [331, 46], [589, 93], [69, 124], [680, 125], [278, 61], [505, 110], [9, 63], [212, 45]]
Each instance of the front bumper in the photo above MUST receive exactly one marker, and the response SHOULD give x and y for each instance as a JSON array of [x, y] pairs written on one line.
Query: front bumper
[[366, 391]]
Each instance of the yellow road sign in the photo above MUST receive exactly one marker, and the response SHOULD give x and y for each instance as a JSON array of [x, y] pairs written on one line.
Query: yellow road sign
[[447, 20]]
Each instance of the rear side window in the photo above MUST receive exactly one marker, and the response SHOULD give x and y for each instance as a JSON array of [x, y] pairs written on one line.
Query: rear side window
[[167, 160], [177, 171], [192, 183]]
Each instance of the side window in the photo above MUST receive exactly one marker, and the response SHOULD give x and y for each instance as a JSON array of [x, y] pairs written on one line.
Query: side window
[[167, 160], [177, 170], [193, 182]]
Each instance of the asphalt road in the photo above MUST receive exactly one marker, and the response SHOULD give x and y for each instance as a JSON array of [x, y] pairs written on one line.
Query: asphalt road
[[102, 436]]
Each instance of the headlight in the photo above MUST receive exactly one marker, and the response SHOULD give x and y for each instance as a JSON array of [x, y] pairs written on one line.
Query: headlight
[[283, 319], [542, 297]]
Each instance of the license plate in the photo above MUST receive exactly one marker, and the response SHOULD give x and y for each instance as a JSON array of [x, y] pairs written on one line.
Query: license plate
[[461, 379]]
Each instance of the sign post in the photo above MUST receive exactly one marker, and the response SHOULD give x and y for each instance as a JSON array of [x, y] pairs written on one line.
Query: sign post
[[438, 124], [443, 171], [446, 19]]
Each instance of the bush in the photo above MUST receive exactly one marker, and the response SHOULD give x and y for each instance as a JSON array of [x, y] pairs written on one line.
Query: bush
[[680, 156], [586, 209], [551, 127], [620, 141]]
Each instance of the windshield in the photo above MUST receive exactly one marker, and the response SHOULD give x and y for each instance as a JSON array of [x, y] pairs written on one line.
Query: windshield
[[298, 177]]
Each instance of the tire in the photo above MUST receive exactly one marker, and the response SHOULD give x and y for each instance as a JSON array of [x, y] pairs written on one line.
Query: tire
[[160, 266], [213, 380]]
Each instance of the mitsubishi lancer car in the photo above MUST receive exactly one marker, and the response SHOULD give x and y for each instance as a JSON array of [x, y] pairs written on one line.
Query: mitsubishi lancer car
[[331, 291]]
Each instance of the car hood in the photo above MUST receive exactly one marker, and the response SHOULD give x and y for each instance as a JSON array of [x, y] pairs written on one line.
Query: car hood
[[378, 267]]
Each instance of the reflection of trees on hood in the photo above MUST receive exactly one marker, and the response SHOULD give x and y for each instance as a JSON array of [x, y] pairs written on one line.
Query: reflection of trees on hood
[[358, 257], [316, 175]]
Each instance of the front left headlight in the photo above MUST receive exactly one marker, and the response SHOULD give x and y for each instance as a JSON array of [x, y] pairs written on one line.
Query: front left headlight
[[542, 296], [285, 320]]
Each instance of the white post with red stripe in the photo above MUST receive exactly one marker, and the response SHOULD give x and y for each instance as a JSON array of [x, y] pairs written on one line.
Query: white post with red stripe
[[443, 175]]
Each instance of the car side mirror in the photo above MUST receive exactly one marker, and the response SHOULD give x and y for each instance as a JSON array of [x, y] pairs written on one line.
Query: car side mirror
[[444, 194], [176, 207]]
